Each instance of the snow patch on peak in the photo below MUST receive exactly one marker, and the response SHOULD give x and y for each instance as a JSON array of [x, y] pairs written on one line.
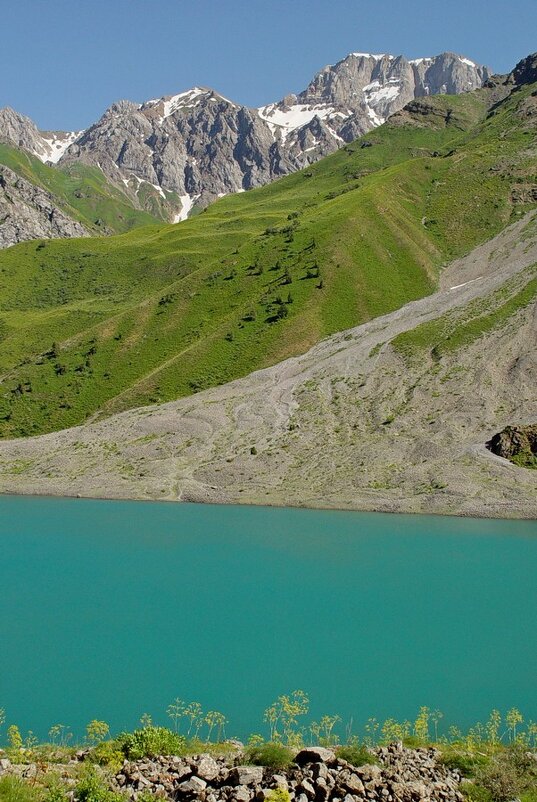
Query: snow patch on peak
[[376, 56], [468, 62], [418, 61], [55, 145], [376, 92], [183, 99], [287, 119], [172, 103]]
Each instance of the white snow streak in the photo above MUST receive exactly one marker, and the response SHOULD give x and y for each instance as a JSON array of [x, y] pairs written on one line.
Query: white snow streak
[[55, 146], [187, 203], [143, 181], [457, 286]]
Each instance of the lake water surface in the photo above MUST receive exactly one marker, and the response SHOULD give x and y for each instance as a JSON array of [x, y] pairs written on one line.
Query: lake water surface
[[111, 609]]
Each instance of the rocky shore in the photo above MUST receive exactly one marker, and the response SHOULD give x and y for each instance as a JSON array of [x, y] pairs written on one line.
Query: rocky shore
[[396, 774]]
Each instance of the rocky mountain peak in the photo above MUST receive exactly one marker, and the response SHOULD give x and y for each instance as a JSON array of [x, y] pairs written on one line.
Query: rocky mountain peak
[[525, 71], [120, 108], [21, 131], [188, 149]]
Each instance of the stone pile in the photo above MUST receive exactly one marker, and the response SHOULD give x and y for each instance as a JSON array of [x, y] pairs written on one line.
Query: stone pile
[[317, 775]]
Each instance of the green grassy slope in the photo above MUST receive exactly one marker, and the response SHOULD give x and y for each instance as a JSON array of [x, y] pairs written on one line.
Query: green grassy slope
[[81, 191], [164, 311]]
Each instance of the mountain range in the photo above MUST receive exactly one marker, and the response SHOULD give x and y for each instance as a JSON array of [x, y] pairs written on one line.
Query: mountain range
[[350, 335], [172, 156]]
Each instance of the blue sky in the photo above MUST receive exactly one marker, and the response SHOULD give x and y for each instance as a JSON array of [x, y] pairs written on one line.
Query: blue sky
[[64, 61]]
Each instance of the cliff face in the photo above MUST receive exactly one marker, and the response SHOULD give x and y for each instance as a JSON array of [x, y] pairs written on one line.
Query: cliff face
[[28, 212]]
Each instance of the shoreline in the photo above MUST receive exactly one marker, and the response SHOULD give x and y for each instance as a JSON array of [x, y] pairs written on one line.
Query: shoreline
[[275, 505]]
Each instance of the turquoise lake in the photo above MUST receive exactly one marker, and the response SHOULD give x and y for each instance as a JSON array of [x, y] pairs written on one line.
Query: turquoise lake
[[111, 609]]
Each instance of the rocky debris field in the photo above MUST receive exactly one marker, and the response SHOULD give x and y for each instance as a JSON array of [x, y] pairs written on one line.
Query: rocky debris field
[[317, 774]]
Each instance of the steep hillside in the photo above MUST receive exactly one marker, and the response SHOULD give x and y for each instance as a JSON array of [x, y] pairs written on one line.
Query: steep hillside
[[403, 407], [92, 327], [28, 212], [80, 193]]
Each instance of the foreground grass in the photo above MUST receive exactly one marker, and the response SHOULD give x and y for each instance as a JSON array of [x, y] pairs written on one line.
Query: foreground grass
[[93, 327]]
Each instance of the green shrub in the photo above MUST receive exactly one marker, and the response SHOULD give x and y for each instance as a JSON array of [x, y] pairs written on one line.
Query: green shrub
[[278, 795], [91, 788], [274, 755], [412, 741], [511, 773], [356, 755], [476, 793], [465, 763], [519, 757], [56, 790], [501, 781], [107, 753], [150, 741]]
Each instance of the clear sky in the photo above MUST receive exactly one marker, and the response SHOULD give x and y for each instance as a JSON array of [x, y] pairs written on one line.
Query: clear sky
[[63, 62]]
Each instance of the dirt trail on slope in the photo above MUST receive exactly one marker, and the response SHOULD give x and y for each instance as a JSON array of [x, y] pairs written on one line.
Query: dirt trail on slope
[[349, 424]]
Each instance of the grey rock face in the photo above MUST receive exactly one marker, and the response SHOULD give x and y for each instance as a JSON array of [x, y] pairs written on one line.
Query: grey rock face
[[21, 131], [28, 212], [196, 146]]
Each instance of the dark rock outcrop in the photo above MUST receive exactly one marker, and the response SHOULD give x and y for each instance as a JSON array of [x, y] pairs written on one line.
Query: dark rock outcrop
[[525, 71], [517, 444]]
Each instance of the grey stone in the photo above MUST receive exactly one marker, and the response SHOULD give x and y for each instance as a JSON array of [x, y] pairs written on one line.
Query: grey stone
[[351, 782], [315, 754], [194, 785], [241, 794], [307, 788], [246, 775], [319, 770], [207, 768]]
